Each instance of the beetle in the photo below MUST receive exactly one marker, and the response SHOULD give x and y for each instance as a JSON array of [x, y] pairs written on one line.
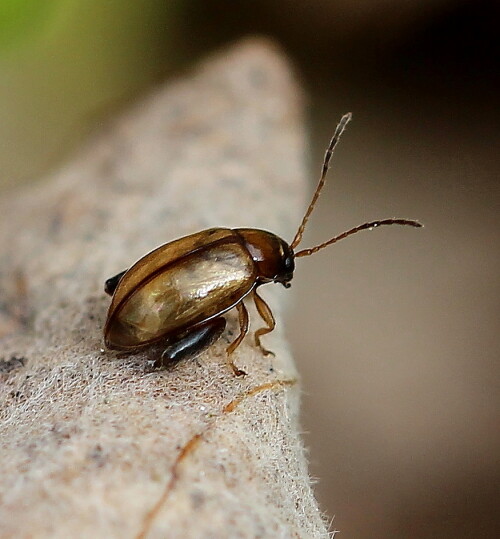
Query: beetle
[[177, 294]]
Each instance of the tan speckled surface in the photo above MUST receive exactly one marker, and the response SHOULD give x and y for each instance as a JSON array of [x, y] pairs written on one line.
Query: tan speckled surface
[[95, 445]]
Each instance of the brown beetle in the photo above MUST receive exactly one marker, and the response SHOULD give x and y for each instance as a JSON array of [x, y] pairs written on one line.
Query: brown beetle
[[177, 294]]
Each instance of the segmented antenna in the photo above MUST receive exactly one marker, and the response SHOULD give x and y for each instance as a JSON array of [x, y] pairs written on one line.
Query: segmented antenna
[[326, 163], [359, 228]]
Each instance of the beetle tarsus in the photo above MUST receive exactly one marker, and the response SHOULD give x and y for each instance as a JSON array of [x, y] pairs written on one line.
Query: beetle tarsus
[[243, 319], [236, 371], [266, 315]]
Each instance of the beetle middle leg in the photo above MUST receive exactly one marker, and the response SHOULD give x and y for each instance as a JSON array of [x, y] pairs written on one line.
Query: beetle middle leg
[[191, 343], [243, 318], [266, 315]]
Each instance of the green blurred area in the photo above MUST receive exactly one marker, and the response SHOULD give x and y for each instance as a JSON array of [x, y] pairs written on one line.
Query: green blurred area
[[20, 20], [63, 61]]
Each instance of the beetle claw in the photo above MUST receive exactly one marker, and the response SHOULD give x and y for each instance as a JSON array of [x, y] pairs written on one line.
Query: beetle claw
[[236, 371]]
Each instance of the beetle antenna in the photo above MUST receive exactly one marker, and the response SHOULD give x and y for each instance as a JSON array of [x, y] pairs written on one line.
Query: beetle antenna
[[369, 226], [326, 163]]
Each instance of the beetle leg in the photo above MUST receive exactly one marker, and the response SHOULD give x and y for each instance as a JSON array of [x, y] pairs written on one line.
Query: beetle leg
[[243, 317], [190, 344], [267, 316], [111, 283]]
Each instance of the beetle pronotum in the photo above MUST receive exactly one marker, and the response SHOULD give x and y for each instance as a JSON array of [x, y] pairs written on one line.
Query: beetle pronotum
[[177, 294]]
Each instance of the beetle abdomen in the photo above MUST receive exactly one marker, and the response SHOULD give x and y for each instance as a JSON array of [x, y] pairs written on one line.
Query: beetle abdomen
[[193, 288]]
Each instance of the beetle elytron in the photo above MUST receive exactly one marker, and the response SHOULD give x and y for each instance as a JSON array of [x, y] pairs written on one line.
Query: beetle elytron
[[177, 294]]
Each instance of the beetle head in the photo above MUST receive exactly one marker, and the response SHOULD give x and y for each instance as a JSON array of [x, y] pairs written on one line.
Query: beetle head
[[273, 256]]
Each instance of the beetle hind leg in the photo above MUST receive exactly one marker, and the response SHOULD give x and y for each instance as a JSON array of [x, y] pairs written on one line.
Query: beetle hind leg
[[111, 283], [243, 318], [266, 315], [191, 343]]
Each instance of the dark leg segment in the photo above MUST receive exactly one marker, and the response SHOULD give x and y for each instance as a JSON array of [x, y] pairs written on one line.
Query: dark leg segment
[[191, 343], [111, 284], [267, 316], [243, 316]]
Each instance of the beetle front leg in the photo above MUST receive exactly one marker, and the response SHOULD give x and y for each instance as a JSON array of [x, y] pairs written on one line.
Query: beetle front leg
[[111, 283], [267, 315], [192, 342], [243, 318]]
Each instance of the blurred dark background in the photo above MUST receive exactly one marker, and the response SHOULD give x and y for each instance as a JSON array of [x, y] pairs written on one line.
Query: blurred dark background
[[395, 332]]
